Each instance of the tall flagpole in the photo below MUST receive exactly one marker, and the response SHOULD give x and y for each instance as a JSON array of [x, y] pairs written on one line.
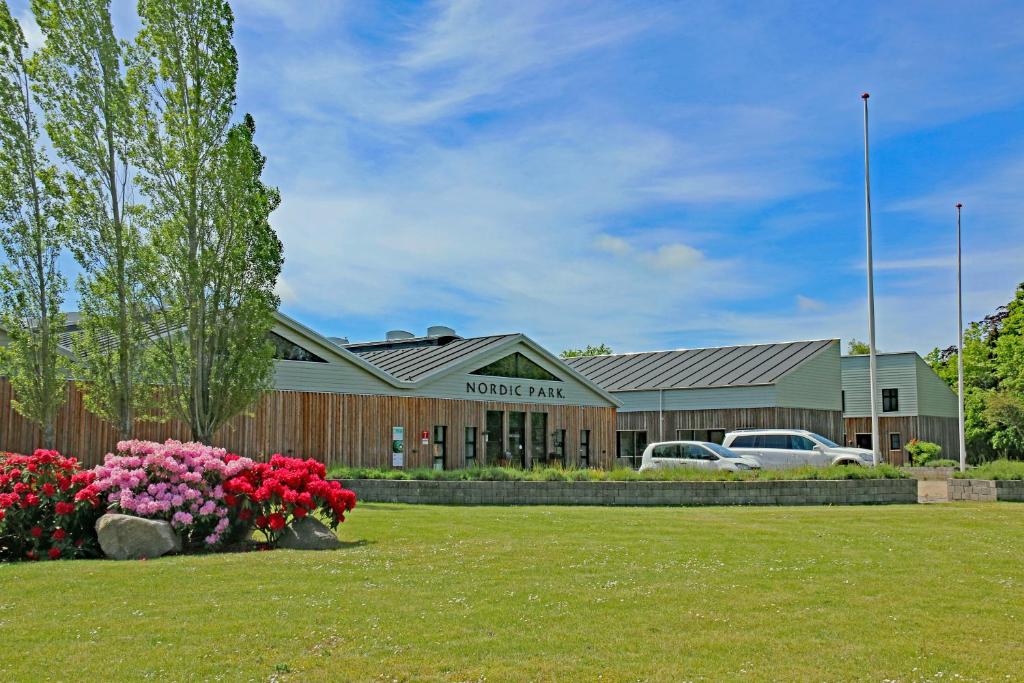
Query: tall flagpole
[[960, 343], [872, 353]]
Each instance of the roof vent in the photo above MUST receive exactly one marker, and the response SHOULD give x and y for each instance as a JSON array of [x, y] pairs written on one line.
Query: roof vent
[[440, 331], [340, 341], [398, 335]]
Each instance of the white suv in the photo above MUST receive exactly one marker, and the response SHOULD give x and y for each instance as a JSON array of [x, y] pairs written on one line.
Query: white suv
[[781, 448]]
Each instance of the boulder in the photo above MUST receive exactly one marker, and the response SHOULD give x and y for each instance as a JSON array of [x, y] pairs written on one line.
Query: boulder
[[123, 537], [308, 534]]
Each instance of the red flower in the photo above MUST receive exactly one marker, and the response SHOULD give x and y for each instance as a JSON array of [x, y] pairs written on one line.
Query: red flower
[[245, 514], [31, 554], [30, 501], [230, 500], [2, 515], [58, 535], [300, 512], [62, 508], [276, 521], [48, 489], [54, 553], [261, 522], [36, 531]]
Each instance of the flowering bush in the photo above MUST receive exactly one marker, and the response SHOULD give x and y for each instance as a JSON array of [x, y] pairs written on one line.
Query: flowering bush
[[181, 483], [40, 515], [275, 493]]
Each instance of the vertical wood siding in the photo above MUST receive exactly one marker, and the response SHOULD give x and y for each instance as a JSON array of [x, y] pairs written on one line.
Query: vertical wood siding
[[940, 430], [828, 423], [338, 429]]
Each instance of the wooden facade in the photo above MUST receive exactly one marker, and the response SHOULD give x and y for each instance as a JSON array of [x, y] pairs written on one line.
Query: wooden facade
[[338, 429], [940, 430], [662, 425]]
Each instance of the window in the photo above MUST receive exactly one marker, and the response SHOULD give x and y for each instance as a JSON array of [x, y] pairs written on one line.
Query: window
[[695, 452], [843, 394], [584, 448], [800, 443], [518, 366], [863, 441], [667, 450], [895, 441], [558, 444], [774, 441], [630, 446], [286, 350], [493, 447], [710, 435], [748, 441], [890, 400], [538, 438], [440, 446], [517, 438], [470, 446]]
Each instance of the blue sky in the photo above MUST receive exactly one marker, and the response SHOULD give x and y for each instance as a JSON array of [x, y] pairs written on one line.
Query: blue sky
[[648, 175]]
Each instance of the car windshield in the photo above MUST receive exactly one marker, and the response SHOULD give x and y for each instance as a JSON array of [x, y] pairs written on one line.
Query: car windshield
[[824, 441], [722, 451]]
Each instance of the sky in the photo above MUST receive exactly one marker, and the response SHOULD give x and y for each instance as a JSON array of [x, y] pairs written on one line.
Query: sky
[[647, 175]]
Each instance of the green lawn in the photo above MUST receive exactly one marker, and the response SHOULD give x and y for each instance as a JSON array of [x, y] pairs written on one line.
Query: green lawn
[[908, 593]]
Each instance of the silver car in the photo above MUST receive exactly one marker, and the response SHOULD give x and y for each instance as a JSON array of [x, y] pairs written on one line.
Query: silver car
[[781, 448], [698, 454]]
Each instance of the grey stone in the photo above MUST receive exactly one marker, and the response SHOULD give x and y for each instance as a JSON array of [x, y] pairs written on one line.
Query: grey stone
[[123, 537], [308, 534]]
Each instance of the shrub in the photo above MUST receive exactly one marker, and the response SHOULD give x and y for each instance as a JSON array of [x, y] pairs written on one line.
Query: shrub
[[942, 462], [181, 483], [275, 493], [41, 516], [922, 451], [997, 469]]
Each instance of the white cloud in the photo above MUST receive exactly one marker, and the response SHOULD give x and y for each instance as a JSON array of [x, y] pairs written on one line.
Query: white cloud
[[612, 245], [29, 27], [671, 256], [807, 304]]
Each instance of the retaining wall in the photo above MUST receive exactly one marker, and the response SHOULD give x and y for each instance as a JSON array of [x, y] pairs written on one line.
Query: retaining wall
[[986, 490], [929, 473], [634, 493]]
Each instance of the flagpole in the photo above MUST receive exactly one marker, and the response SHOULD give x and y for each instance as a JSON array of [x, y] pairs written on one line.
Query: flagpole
[[872, 352], [960, 343]]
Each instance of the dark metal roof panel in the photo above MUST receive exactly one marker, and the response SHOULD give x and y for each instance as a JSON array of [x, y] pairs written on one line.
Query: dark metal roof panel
[[412, 364], [724, 366]]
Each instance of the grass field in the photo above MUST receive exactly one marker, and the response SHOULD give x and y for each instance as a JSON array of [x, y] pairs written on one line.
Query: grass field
[[907, 593]]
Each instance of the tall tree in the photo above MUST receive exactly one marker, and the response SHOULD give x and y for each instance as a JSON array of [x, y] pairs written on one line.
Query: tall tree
[[33, 234], [82, 90], [855, 347], [218, 258]]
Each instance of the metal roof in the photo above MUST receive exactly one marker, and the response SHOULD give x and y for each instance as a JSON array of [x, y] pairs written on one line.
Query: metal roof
[[414, 363], [725, 366]]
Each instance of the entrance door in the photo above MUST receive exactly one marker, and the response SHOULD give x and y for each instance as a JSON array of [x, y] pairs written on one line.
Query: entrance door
[[864, 441], [494, 443], [517, 439], [538, 439], [584, 448]]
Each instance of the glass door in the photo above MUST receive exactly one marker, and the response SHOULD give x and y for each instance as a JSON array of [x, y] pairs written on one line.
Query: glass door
[[493, 439], [538, 439], [440, 446], [584, 448], [517, 439]]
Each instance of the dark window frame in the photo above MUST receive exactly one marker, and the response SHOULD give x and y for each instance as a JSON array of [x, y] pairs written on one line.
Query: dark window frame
[[890, 400], [585, 448], [440, 439], [898, 441], [521, 368], [638, 444], [471, 445]]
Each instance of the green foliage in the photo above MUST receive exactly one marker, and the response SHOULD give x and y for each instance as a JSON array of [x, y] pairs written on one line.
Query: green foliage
[[88, 109], [217, 257], [997, 469], [621, 474], [599, 350], [32, 232], [942, 462], [993, 382], [855, 347], [921, 452]]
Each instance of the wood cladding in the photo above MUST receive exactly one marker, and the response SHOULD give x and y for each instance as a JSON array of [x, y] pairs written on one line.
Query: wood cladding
[[828, 423], [338, 429], [940, 430]]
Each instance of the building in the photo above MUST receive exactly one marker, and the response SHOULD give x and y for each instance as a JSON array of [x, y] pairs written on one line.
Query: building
[[437, 400], [703, 393], [913, 403]]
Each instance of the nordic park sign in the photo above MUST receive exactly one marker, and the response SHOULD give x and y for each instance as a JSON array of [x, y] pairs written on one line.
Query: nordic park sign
[[512, 390]]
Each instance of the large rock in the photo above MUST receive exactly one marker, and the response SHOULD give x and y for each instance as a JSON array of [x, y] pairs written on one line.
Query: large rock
[[123, 537], [308, 534]]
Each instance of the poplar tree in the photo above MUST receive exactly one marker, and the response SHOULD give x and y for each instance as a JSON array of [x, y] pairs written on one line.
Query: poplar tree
[[32, 233], [82, 90], [217, 257]]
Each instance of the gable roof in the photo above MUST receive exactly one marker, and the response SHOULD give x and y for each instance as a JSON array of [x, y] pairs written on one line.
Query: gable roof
[[420, 364], [724, 366]]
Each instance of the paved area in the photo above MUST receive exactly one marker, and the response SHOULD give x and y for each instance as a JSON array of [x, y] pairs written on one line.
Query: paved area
[[932, 491]]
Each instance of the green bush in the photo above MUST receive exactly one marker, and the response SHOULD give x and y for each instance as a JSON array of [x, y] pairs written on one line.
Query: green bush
[[942, 462], [620, 474], [922, 451], [997, 469]]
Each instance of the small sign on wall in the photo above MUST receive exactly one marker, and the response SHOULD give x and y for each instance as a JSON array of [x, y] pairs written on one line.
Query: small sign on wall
[[425, 438], [398, 446]]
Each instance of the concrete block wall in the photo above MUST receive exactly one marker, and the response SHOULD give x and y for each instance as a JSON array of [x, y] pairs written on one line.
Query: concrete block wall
[[986, 490], [637, 493]]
